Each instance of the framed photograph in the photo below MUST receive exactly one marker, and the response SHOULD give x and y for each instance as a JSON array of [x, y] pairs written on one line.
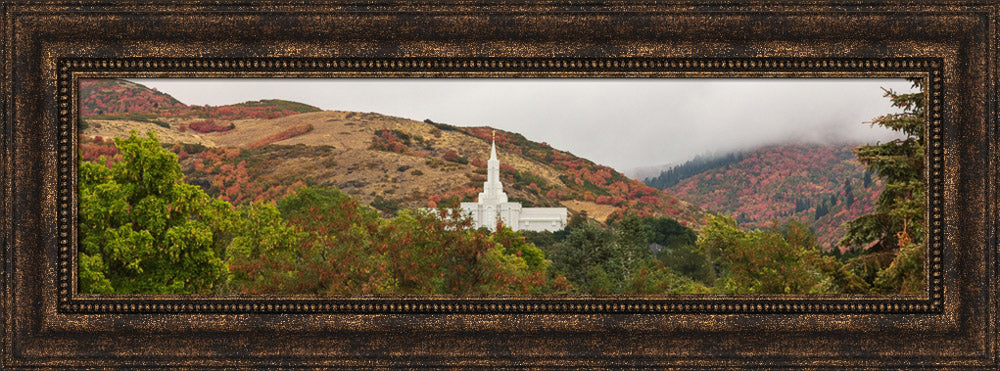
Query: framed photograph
[[527, 184]]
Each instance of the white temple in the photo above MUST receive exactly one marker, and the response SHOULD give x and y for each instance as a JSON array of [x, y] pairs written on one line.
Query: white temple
[[493, 205]]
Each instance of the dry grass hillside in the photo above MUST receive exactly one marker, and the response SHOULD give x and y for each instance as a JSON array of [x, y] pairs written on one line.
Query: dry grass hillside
[[388, 162], [119, 128]]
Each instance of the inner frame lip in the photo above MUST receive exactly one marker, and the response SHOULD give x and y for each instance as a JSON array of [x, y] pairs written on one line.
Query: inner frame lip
[[71, 70]]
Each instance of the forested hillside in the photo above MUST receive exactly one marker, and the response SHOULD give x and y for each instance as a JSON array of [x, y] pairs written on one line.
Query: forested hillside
[[695, 166], [822, 186]]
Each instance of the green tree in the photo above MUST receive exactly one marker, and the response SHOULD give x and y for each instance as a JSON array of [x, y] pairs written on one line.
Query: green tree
[[628, 251], [669, 232], [143, 230], [431, 254], [619, 260], [340, 253], [848, 193], [715, 239], [582, 255], [577, 219], [678, 251], [517, 266], [689, 261], [259, 235], [514, 243], [766, 261], [845, 281], [896, 226], [905, 274], [656, 278]]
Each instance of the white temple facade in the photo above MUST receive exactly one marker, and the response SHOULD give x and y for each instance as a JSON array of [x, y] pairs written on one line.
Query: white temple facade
[[492, 206]]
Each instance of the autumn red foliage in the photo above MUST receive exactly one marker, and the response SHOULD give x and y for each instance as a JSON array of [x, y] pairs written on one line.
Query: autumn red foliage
[[224, 173], [106, 97], [111, 97], [788, 181], [209, 126], [92, 149], [389, 140], [450, 155]]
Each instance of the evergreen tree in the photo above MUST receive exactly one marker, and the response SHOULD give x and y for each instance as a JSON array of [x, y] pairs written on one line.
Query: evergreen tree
[[690, 261], [577, 219], [581, 257], [898, 218], [619, 260], [690, 168], [896, 225], [821, 210], [669, 233], [848, 193], [629, 250]]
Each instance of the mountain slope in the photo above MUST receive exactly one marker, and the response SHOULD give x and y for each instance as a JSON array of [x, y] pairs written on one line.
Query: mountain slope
[[820, 185], [122, 99], [388, 162], [111, 97]]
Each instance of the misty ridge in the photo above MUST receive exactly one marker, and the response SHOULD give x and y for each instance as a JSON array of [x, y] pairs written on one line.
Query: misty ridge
[[715, 157]]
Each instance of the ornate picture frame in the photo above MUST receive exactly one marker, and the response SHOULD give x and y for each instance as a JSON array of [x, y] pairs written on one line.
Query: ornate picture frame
[[48, 46]]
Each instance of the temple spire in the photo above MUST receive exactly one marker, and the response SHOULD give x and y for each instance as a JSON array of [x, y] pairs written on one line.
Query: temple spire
[[492, 189], [493, 145], [493, 206]]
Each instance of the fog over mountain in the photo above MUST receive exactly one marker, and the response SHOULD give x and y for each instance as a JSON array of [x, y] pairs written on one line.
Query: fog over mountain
[[623, 123]]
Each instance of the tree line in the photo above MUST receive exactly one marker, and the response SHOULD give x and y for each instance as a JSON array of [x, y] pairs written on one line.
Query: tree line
[[695, 166], [144, 230]]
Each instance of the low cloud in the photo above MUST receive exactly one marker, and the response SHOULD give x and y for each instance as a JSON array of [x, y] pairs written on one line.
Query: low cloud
[[623, 123]]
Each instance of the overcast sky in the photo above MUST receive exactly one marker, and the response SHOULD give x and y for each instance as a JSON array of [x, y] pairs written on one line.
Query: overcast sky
[[623, 123]]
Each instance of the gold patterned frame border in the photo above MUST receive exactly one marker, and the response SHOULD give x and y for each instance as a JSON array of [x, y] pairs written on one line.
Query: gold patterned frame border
[[71, 69], [36, 334]]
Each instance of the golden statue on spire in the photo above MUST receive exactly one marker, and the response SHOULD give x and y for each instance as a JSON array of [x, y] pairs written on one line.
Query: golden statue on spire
[[493, 135]]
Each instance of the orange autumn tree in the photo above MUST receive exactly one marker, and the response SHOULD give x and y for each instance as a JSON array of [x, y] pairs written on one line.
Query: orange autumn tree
[[348, 248]]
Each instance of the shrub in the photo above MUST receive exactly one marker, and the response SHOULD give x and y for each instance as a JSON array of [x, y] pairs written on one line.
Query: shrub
[[391, 141], [208, 126], [434, 163], [452, 156], [385, 205]]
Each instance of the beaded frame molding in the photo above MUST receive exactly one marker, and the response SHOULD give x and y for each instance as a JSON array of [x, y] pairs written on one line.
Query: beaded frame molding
[[70, 70], [47, 45]]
